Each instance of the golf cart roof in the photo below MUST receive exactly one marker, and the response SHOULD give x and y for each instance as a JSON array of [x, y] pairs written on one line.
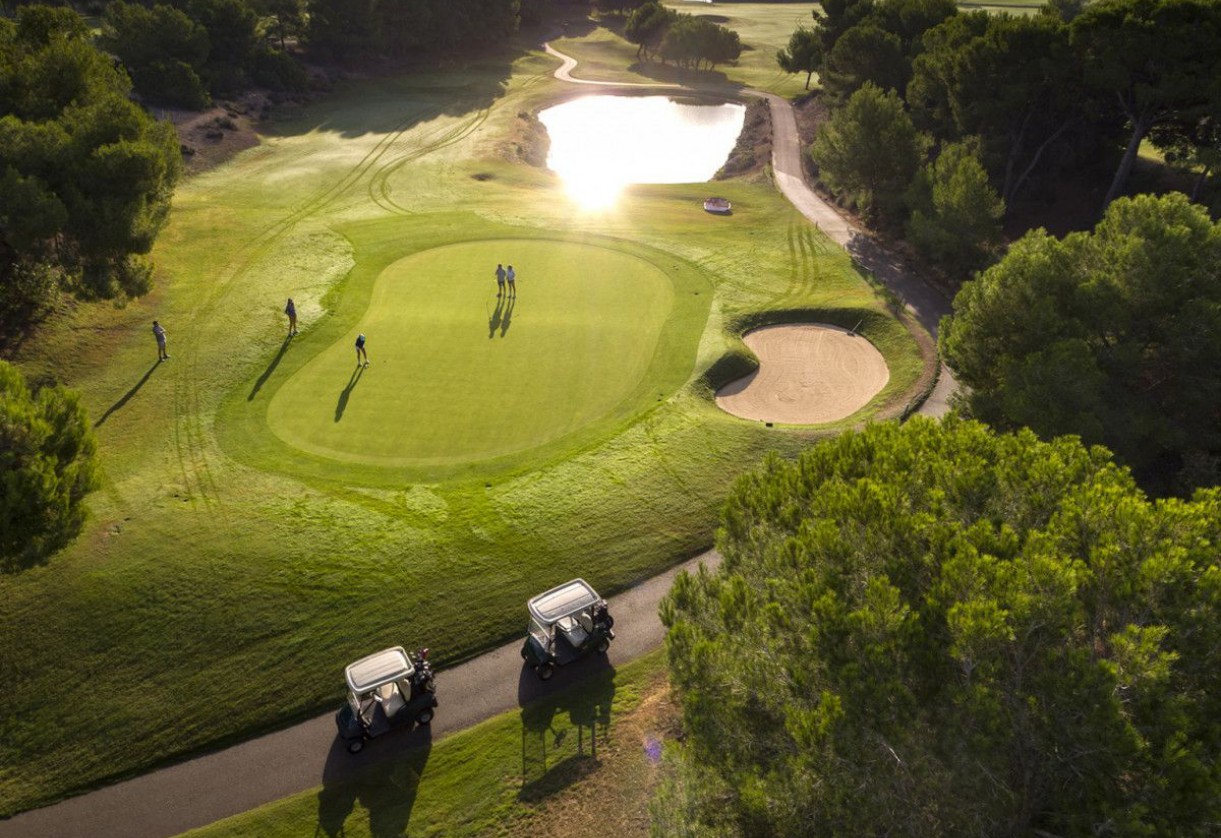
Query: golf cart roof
[[561, 601], [377, 669]]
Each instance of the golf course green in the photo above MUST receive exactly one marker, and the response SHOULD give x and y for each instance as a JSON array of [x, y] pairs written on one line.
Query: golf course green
[[460, 372], [270, 513]]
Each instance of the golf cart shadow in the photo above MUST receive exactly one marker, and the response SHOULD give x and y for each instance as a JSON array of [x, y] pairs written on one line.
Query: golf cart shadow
[[563, 723], [384, 781]]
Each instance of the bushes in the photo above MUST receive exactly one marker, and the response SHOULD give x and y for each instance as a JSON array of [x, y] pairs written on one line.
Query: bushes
[[47, 466], [279, 71]]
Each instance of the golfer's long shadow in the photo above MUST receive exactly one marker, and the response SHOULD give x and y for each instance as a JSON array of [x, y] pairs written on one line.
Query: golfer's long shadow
[[347, 392], [508, 316], [494, 320], [126, 396], [275, 362], [384, 780], [563, 723]]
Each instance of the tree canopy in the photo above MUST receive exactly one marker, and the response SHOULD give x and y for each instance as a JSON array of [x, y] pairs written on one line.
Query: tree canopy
[[1113, 335], [803, 53], [47, 466], [967, 84], [1044, 94], [934, 629], [347, 30], [1156, 58], [869, 151], [956, 214], [85, 175], [697, 42], [186, 51]]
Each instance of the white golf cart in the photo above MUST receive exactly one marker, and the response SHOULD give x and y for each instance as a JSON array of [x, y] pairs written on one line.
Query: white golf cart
[[386, 690], [566, 623]]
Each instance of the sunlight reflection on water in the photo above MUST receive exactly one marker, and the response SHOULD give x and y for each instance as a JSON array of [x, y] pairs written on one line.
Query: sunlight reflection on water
[[600, 144]]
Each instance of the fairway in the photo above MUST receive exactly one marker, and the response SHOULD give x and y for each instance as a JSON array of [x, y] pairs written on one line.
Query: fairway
[[458, 373]]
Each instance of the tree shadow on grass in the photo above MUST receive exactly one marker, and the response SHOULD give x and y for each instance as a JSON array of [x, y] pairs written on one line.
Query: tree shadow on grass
[[342, 405], [563, 724], [670, 74], [275, 362], [126, 396], [384, 779], [402, 96]]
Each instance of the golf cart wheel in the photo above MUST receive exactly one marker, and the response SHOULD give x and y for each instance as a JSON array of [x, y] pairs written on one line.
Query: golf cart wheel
[[545, 671], [603, 645], [425, 716], [356, 746]]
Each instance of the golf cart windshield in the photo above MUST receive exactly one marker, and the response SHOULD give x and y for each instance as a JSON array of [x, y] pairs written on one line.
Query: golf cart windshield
[[540, 633]]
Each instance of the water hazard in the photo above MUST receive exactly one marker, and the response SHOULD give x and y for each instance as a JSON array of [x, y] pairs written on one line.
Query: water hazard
[[600, 144]]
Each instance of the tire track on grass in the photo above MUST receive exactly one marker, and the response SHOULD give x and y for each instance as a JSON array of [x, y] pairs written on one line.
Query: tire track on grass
[[379, 183], [379, 189]]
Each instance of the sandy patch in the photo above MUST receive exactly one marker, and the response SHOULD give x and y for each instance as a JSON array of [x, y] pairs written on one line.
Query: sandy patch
[[808, 374]]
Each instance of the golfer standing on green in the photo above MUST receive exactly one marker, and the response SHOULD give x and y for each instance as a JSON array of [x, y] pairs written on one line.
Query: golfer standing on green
[[511, 275], [360, 350], [500, 280]]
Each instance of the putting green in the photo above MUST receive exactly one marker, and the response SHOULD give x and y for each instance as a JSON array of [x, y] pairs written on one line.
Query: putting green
[[458, 374]]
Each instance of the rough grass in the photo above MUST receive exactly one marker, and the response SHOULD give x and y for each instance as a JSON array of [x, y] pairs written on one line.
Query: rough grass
[[214, 565]]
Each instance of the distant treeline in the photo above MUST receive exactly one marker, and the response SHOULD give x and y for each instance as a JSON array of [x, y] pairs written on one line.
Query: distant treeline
[[343, 30], [181, 53]]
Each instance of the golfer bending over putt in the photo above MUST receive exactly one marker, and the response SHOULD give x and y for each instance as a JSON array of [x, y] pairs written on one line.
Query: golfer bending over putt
[[360, 350]]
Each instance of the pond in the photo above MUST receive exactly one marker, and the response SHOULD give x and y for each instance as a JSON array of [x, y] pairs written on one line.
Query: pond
[[600, 144]]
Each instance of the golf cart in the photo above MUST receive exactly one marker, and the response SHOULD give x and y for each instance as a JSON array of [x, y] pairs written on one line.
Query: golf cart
[[566, 623], [386, 690]]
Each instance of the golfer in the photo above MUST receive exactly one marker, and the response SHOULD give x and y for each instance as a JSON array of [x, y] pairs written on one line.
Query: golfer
[[511, 275], [291, 311], [159, 334], [500, 280], [360, 350]]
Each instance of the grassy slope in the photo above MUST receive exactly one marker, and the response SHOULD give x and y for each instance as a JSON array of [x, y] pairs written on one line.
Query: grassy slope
[[208, 571], [495, 778]]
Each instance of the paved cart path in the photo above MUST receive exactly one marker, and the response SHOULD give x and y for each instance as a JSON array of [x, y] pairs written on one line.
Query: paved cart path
[[225, 783]]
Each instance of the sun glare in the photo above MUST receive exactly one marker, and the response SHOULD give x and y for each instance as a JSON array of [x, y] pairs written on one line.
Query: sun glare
[[601, 144], [594, 191]]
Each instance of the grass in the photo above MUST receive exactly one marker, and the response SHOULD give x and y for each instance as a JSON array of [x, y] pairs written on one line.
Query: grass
[[500, 777], [219, 558]]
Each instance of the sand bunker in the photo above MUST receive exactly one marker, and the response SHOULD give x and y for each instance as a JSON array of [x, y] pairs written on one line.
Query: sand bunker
[[808, 374]]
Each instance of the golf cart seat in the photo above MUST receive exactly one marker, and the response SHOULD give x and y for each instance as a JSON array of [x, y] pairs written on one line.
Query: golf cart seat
[[391, 699], [573, 631]]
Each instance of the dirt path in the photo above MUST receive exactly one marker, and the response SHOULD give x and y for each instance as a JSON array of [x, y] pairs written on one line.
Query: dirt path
[[225, 783]]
